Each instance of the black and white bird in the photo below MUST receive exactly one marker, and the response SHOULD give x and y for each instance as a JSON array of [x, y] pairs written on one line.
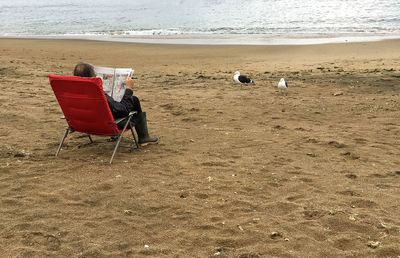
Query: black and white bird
[[283, 86], [242, 79]]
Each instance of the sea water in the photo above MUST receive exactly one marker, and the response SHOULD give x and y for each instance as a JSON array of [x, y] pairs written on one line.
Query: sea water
[[203, 21]]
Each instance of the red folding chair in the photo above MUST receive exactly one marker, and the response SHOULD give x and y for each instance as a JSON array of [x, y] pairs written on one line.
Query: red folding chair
[[86, 110]]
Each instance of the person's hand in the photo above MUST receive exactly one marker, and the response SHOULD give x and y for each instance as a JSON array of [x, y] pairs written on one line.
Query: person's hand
[[129, 83]]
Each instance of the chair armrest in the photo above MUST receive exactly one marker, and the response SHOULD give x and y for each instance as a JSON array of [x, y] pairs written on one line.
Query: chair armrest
[[130, 114]]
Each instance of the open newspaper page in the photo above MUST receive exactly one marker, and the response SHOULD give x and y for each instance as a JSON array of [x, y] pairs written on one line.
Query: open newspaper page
[[114, 80], [121, 74], [107, 76]]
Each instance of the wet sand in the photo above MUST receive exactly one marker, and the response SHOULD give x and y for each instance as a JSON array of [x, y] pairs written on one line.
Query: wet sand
[[241, 171]]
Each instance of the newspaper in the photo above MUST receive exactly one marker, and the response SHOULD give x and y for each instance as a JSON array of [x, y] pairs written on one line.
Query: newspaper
[[114, 80]]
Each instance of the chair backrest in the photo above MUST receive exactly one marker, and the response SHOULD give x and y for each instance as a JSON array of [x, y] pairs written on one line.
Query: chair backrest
[[84, 104]]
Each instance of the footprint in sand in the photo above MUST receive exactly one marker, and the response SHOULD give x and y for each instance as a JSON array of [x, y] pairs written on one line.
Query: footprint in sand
[[349, 193], [351, 176], [314, 214], [51, 242], [364, 203]]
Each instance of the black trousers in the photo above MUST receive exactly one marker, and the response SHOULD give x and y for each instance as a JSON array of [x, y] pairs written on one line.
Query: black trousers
[[136, 104], [135, 118]]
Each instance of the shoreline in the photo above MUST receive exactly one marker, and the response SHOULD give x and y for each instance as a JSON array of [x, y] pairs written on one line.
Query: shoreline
[[212, 39]]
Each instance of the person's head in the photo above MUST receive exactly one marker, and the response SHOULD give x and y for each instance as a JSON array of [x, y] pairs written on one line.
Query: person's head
[[84, 70]]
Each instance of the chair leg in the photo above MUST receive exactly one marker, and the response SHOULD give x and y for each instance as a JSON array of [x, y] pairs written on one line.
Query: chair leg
[[62, 141], [116, 147], [90, 138], [119, 139]]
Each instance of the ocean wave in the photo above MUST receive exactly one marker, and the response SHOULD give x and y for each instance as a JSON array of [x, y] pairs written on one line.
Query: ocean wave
[[198, 17]]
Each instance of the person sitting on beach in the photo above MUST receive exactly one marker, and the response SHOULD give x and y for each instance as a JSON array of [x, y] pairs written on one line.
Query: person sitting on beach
[[121, 109]]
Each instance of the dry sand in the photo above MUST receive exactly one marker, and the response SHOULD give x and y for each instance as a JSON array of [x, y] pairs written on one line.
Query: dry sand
[[241, 171]]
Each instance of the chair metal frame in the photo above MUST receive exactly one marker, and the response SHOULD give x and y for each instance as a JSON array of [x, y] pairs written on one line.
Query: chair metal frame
[[70, 130]]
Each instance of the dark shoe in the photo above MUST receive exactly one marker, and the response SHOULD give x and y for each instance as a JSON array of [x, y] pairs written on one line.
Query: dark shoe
[[142, 131], [113, 138], [147, 141]]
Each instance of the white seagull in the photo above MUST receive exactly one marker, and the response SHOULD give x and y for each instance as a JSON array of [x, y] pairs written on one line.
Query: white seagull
[[242, 79], [283, 86]]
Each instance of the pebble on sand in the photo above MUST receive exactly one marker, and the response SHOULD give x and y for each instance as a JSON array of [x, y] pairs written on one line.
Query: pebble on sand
[[374, 244], [276, 235], [128, 212]]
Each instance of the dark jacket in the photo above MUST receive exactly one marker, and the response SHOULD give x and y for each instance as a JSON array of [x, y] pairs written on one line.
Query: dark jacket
[[121, 109]]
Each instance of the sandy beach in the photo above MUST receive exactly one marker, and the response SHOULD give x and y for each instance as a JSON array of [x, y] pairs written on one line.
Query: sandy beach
[[240, 171]]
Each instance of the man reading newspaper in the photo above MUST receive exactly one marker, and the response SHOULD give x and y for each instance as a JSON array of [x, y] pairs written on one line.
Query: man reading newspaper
[[127, 103]]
